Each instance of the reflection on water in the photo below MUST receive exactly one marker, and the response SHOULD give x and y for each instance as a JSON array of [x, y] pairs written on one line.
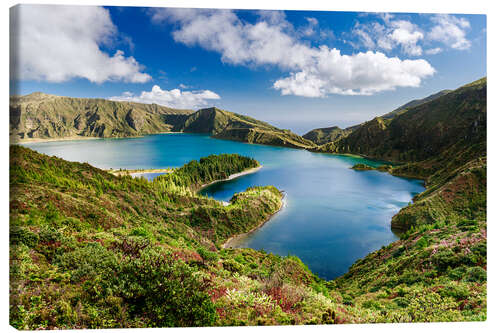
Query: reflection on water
[[334, 215]]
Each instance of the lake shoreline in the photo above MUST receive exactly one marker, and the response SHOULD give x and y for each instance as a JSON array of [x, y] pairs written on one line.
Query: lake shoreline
[[233, 176], [78, 137], [232, 241], [139, 172]]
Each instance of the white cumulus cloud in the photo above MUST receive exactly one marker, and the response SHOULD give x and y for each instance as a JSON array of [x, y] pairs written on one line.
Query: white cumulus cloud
[[174, 98], [313, 71], [359, 74], [387, 36], [451, 31], [57, 43], [407, 35]]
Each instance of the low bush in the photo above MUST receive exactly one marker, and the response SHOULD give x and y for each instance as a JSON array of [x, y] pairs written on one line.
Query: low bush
[[165, 291], [476, 274]]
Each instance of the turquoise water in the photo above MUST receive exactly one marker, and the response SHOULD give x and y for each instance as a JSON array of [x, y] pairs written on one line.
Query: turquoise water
[[333, 215]]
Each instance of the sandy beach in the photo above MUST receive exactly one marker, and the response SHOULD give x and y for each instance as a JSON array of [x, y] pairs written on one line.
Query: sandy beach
[[139, 172], [234, 175]]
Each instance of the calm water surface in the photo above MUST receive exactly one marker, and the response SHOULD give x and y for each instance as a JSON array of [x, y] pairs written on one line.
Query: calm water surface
[[333, 215]]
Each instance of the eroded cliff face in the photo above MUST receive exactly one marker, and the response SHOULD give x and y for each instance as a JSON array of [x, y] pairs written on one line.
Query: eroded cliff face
[[45, 116]]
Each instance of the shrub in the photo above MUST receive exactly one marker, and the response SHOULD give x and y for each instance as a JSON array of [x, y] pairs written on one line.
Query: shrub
[[347, 300], [399, 251], [232, 266], [320, 288], [23, 235], [423, 242], [446, 258], [207, 255], [457, 273], [465, 224], [89, 262], [141, 232], [165, 291], [401, 301], [458, 292], [476, 274], [371, 304], [479, 249]]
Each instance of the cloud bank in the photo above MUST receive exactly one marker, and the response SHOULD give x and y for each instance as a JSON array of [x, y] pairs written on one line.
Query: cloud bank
[[57, 43], [313, 71], [174, 98]]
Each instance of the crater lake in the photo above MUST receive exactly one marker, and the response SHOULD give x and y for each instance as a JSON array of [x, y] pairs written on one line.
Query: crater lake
[[332, 215]]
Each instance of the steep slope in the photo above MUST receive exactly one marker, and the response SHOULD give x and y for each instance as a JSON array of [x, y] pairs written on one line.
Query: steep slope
[[414, 103], [81, 238], [45, 116], [93, 250], [42, 116], [457, 118], [321, 136], [232, 126], [437, 270], [324, 135]]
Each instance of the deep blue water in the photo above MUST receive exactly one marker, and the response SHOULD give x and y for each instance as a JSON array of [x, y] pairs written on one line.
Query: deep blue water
[[333, 215]]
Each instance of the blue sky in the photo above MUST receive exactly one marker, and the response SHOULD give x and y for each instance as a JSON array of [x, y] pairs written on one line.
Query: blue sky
[[295, 69]]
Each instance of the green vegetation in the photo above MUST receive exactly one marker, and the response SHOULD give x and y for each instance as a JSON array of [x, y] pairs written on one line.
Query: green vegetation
[[92, 250], [446, 125], [434, 273], [362, 167], [437, 270], [232, 126], [416, 102], [42, 116], [321, 136], [209, 169]]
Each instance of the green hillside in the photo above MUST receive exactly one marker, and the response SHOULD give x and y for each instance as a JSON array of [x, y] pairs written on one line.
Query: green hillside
[[321, 136], [457, 118], [232, 126], [416, 102], [42, 116], [92, 250]]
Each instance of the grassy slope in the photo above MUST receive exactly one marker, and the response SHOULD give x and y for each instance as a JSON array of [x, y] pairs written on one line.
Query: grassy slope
[[42, 116], [424, 131], [436, 272], [416, 102], [89, 249], [45, 116], [232, 126], [320, 136]]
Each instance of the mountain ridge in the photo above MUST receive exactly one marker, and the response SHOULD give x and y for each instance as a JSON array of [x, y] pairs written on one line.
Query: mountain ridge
[[81, 238], [43, 116], [325, 135]]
